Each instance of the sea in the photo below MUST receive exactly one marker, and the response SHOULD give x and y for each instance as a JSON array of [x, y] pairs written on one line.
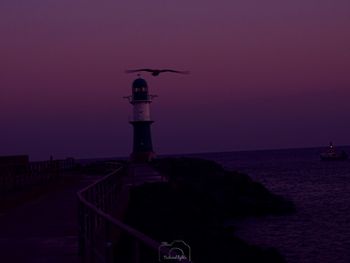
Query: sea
[[319, 231]]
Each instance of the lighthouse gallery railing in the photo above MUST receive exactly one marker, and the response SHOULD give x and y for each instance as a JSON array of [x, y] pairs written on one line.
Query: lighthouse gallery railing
[[100, 232]]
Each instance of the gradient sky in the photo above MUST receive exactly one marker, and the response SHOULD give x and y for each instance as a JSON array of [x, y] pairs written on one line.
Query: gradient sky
[[264, 74]]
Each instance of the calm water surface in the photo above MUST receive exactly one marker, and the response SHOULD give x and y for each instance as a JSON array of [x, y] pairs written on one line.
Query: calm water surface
[[320, 229]]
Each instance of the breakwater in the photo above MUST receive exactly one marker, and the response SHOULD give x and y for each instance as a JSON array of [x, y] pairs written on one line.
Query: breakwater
[[193, 205]]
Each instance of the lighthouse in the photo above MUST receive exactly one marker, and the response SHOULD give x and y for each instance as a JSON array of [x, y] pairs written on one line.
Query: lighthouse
[[141, 122]]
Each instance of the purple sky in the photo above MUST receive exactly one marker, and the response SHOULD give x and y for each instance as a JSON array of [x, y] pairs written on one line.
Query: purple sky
[[264, 74]]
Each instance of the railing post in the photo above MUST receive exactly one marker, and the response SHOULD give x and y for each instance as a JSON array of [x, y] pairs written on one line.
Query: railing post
[[97, 227], [81, 234]]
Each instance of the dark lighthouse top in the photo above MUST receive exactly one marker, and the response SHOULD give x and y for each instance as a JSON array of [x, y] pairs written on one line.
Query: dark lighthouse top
[[139, 90]]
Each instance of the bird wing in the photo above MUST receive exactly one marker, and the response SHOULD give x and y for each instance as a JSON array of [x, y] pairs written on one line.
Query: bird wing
[[138, 70], [174, 71]]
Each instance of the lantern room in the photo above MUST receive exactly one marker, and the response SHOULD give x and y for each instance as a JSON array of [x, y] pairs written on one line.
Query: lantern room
[[140, 90]]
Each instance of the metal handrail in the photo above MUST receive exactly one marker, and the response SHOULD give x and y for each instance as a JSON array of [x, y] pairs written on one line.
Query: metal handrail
[[82, 191], [109, 221], [140, 236], [98, 214]]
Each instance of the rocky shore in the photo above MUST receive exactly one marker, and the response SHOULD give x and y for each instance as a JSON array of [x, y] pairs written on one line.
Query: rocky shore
[[193, 206]]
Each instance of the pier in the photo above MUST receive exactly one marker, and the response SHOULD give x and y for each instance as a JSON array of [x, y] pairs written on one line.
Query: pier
[[79, 218], [37, 212]]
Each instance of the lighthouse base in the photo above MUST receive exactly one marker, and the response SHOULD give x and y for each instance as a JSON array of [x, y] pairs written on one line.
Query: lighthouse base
[[142, 157]]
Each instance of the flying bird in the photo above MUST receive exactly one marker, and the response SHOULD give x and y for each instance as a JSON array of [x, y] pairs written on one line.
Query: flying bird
[[156, 72]]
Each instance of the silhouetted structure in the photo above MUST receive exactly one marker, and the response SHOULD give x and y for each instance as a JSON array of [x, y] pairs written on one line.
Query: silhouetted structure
[[333, 155], [16, 172], [141, 121]]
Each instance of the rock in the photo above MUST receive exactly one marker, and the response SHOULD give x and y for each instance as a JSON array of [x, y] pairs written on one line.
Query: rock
[[194, 204]]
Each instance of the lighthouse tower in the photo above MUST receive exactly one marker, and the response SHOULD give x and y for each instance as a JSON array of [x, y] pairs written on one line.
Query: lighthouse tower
[[141, 122]]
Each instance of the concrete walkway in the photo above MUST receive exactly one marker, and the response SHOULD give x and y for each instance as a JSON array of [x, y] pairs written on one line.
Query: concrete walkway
[[43, 230]]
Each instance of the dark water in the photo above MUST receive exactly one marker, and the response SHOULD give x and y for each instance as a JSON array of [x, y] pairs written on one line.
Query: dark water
[[320, 229]]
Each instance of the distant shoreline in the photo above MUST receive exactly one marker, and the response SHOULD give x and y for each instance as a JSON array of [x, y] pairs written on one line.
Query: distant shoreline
[[124, 158]]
